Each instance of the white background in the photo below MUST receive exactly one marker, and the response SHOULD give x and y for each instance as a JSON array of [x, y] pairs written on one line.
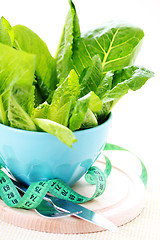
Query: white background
[[136, 118]]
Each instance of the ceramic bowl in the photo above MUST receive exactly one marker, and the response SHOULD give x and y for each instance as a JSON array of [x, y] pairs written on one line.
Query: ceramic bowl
[[35, 156]]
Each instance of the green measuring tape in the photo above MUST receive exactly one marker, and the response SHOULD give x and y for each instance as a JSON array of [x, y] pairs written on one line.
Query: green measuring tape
[[37, 190]]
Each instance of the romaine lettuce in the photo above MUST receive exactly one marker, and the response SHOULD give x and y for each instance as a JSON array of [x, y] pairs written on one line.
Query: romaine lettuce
[[75, 90]]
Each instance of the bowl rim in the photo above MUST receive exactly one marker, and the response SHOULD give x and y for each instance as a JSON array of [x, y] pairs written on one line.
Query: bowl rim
[[18, 130]]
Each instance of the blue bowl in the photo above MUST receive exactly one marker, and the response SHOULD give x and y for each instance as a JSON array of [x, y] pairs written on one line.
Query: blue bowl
[[35, 156]]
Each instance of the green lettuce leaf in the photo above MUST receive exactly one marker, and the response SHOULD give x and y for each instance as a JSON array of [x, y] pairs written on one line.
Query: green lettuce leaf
[[95, 103], [6, 32], [61, 132], [40, 111], [92, 77], [89, 101], [70, 34], [117, 45], [63, 99], [105, 85], [90, 120], [134, 76], [60, 112], [17, 113], [79, 112], [69, 86], [125, 79], [16, 91], [28, 41]]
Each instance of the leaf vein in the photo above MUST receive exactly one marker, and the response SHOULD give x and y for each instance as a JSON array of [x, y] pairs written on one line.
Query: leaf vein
[[103, 50], [123, 42], [117, 59], [110, 47]]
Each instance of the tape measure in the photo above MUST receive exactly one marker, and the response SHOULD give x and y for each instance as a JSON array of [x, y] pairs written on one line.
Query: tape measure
[[37, 190]]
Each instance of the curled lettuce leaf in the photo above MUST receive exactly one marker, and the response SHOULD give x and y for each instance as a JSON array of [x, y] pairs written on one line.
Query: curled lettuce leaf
[[90, 101], [61, 132], [90, 120]]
